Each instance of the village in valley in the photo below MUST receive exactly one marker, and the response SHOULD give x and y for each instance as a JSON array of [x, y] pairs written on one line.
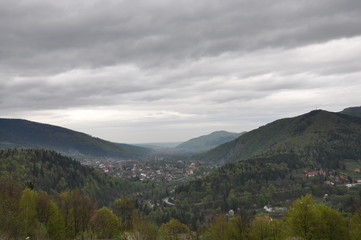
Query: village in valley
[[156, 168]]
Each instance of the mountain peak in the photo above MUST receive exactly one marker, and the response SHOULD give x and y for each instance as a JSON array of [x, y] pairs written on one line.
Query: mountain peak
[[290, 134], [19, 133]]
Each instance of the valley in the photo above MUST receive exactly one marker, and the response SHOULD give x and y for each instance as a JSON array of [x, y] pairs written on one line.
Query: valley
[[259, 174], [157, 168]]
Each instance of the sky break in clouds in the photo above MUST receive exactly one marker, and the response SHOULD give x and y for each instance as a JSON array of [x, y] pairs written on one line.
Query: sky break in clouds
[[159, 70]]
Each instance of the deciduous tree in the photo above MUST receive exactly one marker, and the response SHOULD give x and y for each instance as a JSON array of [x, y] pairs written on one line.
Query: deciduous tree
[[105, 224]]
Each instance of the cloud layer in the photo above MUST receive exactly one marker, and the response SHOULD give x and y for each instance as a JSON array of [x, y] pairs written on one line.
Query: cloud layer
[[148, 71]]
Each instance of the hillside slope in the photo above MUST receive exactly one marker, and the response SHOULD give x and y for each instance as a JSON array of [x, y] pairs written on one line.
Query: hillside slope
[[16, 133], [353, 111], [207, 142], [51, 172], [333, 132], [272, 165]]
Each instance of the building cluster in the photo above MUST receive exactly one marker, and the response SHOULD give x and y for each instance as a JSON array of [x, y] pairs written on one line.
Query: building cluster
[[333, 178], [152, 169]]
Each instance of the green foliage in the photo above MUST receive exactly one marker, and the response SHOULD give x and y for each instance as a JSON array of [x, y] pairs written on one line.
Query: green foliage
[[172, 230], [106, 224], [302, 219], [318, 137], [305, 220], [143, 229], [218, 229], [355, 225], [225, 228], [27, 212], [30, 213], [77, 209], [238, 228], [313, 221], [51, 172], [10, 224], [265, 228], [272, 162], [55, 223], [333, 225], [123, 208], [222, 229]]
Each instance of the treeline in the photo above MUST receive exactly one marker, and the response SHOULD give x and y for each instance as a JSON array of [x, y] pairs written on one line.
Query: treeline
[[305, 220], [30, 214], [68, 215]]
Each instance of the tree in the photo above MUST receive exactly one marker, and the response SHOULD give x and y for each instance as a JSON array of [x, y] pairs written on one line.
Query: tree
[[77, 209], [105, 224], [172, 230], [124, 208], [314, 221], [68, 214], [218, 229], [10, 223], [332, 224], [143, 229], [264, 227], [301, 218], [355, 225], [55, 223], [237, 228], [27, 212]]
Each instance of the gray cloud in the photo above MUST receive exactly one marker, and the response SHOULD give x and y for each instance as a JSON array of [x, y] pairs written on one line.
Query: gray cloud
[[199, 65], [99, 33]]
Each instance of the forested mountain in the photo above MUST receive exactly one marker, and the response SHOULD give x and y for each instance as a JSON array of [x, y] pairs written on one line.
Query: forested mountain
[[270, 168], [315, 136], [207, 142], [16, 133], [51, 172], [354, 111], [272, 162]]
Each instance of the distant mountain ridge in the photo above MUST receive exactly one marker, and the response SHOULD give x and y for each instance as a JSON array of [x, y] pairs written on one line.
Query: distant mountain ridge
[[158, 145], [354, 111], [18, 133], [316, 129], [207, 142]]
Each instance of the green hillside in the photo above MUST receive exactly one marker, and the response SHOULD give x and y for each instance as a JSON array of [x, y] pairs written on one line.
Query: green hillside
[[53, 173], [207, 142], [16, 133], [334, 133], [273, 161], [354, 111]]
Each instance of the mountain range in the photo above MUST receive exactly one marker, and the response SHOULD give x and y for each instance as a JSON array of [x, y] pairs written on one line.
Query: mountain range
[[332, 132], [207, 142], [315, 153], [17, 133], [265, 165]]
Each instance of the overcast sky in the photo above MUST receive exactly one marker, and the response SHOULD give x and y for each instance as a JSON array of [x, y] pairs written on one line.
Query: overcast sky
[[138, 71]]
